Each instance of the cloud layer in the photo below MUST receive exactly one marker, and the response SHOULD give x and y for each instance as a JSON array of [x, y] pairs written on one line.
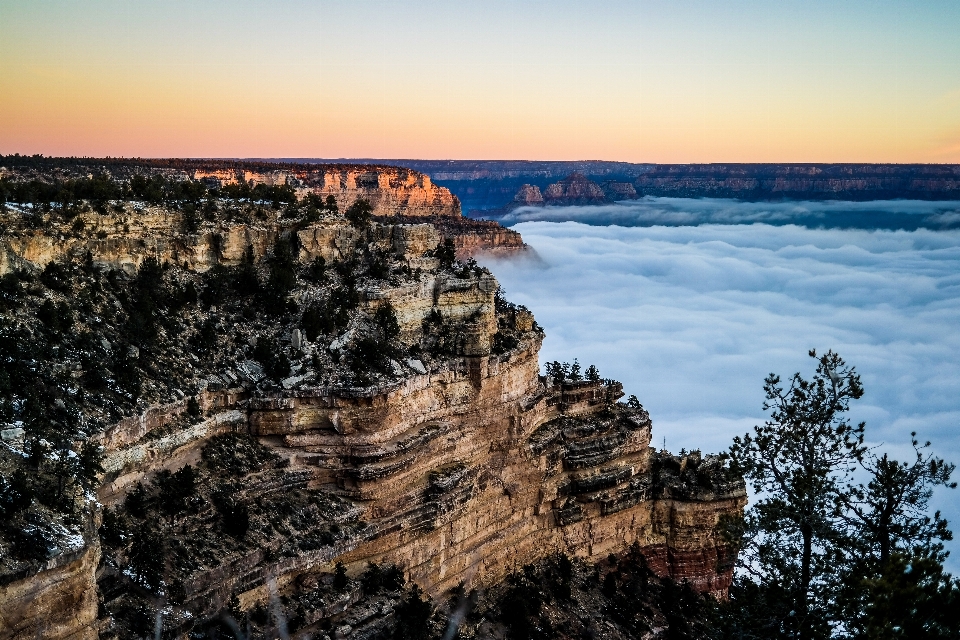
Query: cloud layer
[[831, 214], [692, 318]]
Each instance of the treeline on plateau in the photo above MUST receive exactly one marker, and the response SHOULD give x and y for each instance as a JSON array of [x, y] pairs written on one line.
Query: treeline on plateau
[[101, 189], [839, 541]]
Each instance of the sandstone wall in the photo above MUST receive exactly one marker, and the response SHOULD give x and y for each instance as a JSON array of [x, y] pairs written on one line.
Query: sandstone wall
[[393, 191], [57, 603]]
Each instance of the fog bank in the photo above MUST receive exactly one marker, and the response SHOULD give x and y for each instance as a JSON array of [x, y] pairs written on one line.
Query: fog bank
[[831, 214], [691, 319]]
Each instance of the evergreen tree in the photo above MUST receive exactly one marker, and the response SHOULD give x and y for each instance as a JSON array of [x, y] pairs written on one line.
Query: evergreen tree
[[799, 463], [359, 213]]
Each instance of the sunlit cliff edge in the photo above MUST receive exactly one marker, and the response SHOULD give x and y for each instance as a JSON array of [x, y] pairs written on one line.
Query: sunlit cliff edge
[[453, 458]]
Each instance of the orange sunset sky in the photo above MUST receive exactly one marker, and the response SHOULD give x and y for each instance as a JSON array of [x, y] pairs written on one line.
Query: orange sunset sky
[[635, 81]]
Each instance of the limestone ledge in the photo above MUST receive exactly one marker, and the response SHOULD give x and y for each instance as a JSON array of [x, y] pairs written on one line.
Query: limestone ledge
[[123, 241], [58, 602]]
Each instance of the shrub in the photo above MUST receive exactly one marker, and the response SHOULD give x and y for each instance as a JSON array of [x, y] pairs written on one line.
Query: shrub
[[236, 453], [359, 212]]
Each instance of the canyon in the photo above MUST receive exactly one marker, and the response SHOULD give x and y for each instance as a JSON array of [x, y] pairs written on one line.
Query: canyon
[[454, 459], [487, 187]]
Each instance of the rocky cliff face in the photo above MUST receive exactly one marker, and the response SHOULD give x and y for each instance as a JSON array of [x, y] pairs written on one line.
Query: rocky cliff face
[[58, 602], [392, 191], [397, 416], [528, 195], [574, 189], [802, 181]]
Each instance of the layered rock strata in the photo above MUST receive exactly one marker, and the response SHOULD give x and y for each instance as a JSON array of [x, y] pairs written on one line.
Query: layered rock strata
[[392, 191], [125, 240], [574, 189], [459, 465], [58, 602], [802, 181]]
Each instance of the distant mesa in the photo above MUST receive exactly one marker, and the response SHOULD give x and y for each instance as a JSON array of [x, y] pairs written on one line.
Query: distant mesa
[[528, 196], [574, 189], [620, 190]]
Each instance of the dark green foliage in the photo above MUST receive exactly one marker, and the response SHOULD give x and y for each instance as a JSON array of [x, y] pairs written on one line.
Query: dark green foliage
[[114, 529], [147, 556], [370, 354], [56, 316], [147, 298], [559, 574], [413, 616], [86, 473], [283, 264], [204, 341], [330, 204], [377, 578], [316, 271], [190, 220], [234, 513], [385, 317], [828, 557], [136, 502], [126, 374], [320, 319], [236, 453], [503, 342], [792, 533], [889, 512], [29, 538], [565, 371], [56, 276], [246, 282], [909, 597], [519, 607], [276, 195], [175, 492], [359, 212], [340, 576], [193, 407], [378, 266], [276, 364], [446, 253], [16, 494], [556, 370]]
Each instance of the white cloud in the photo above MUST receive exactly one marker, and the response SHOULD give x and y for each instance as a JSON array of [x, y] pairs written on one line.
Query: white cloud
[[691, 319], [649, 211]]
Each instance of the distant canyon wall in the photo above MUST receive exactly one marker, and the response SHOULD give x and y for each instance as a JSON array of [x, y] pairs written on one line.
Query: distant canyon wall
[[392, 191]]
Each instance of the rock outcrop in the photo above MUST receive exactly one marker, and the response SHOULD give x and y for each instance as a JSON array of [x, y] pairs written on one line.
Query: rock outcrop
[[574, 189], [440, 449], [528, 196], [58, 602], [392, 191], [802, 181], [619, 190], [126, 234]]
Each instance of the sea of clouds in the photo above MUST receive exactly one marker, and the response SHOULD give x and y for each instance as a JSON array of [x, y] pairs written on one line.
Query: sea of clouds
[[692, 318], [831, 214]]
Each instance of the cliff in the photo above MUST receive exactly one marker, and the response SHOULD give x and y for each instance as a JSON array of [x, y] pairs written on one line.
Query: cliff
[[802, 181], [392, 191], [274, 398], [125, 232], [486, 187], [574, 189]]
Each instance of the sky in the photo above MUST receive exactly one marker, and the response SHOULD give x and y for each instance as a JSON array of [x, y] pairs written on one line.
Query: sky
[[642, 81], [692, 319]]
